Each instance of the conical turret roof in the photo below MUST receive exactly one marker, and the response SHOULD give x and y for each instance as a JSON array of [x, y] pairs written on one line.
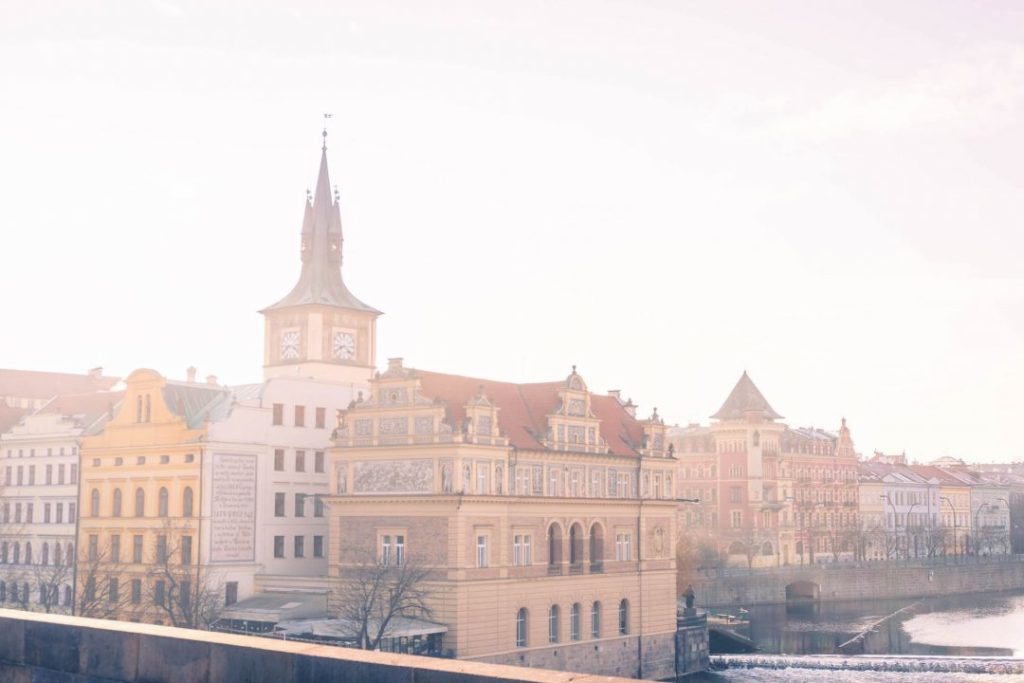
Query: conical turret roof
[[745, 398]]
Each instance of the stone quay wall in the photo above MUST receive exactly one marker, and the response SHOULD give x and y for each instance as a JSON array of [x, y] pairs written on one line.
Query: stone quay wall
[[860, 581], [47, 647]]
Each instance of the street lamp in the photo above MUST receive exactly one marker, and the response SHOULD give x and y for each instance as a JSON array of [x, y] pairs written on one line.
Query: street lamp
[[977, 535], [955, 549]]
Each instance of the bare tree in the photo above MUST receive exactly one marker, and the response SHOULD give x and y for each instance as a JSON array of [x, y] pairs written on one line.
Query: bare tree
[[371, 595], [184, 590], [50, 579], [13, 573], [934, 539], [100, 593]]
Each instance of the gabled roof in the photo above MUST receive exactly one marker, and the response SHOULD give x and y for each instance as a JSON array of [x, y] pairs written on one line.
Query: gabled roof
[[38, 384], [523, 409], [320, 281], [745, 398], [943, 476]]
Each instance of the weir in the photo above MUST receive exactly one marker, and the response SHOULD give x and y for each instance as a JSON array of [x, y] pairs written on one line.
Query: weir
[[902, 664]]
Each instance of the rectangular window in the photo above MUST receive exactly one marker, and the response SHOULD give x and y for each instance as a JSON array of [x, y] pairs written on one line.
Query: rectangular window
[[279, 460], [60, 474], [31, 475], [230, 593], [28, 513], [161, 548], [481, 551], [300, 416], [623, 551], [481, 478], [735, 494], [72, 507], [46, 513], [94, 547], [318, 546], [186, 550], [137, 548], [300, 504], [49, 474], [399, 550], [522, 551], [115, 548], [278, 546], [112, 591], [318, 462], [60, 513], [300, 461], [158, 593], [136, 591], [300, 546], [385, 550], [737, 519], [321, 418], [318, 507], [279, 505], [278, 418]]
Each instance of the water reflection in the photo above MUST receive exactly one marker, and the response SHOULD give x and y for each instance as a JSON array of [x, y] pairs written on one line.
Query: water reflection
[[821, 628]]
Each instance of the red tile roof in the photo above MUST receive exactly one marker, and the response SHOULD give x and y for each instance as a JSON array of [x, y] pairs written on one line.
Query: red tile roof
[[37, 384], [523, 409], [89, 408], [10, 416]]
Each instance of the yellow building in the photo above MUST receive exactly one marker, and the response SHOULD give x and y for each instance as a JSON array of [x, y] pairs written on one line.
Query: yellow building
[[140, 539], [544, 513]]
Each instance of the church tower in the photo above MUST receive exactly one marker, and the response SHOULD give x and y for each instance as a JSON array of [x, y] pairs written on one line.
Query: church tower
[[320, 330]]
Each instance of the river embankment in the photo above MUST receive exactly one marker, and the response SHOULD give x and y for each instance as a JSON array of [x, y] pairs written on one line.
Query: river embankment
[[729, 587]]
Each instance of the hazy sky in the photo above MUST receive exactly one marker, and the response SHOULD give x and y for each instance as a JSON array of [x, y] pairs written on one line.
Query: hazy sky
[[828, 195]]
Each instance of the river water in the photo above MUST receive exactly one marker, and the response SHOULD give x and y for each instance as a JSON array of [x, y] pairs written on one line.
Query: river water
[[987, 625]]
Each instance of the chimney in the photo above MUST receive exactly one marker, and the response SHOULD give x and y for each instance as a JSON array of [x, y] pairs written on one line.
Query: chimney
[[394, 363], [96, 373], [616, 394], [211, 380], [190, 374]]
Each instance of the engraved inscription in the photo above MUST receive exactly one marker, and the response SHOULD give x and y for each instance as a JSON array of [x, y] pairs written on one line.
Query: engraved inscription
[[233, 516]]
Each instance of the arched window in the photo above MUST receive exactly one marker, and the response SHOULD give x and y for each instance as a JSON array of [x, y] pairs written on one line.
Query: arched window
[[28, 552], [553, 624], [138, 408], [94, 503], [46, 555], [521, 627], [117, 502], [575, 545], [148, 406], [56, 553], [162, 509], [140, 503], [623, 617], [595, 620], [574, 621], [186, 502], [555, 547], [17, 552], [596, 548]]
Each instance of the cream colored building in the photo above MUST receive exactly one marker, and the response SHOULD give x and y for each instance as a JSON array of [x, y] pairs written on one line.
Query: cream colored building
[[545, 513]]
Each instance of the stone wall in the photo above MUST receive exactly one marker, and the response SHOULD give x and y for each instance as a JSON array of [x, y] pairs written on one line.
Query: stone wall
[[42, 647], [859, 581]]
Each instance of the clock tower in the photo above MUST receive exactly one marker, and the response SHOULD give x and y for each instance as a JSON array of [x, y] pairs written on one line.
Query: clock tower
[[320, 330]]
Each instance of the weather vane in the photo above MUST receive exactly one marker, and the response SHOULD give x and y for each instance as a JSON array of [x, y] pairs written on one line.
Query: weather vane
[[326, 116]]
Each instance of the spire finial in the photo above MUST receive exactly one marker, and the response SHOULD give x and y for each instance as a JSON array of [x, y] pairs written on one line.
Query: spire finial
[[324, 134]]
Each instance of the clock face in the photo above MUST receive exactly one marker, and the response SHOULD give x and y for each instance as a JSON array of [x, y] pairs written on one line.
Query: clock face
[[344, 345], [289, 345]]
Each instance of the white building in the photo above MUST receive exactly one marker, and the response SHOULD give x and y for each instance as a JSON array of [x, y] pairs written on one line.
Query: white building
[[40, 466]]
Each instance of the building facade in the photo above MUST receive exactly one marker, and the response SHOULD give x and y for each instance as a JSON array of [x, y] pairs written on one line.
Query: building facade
[[544, 514], [40, 464]]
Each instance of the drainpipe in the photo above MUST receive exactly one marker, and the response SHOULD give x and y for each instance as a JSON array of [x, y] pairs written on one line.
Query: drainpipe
[[639, 569], [199, 539], [78, 517]]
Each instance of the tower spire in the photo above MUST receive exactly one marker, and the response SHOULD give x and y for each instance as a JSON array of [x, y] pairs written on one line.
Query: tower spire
[[324, 134]]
